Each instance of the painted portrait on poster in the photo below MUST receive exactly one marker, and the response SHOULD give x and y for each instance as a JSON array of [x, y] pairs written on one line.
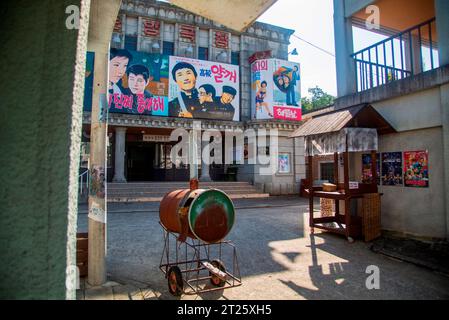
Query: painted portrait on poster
[[202, 89], [138, 83], [276, 90]]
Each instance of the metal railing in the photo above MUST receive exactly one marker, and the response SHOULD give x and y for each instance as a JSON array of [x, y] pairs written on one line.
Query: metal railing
[[83, 186], [405, 54]]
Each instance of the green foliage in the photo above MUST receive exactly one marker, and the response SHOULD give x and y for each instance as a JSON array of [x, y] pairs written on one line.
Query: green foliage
[[319, 99]]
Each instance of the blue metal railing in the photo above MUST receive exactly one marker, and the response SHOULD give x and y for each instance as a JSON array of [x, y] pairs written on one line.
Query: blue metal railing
[[398, 57]]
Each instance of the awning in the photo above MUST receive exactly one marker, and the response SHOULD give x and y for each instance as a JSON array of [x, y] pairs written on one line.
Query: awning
[[362, 116], [234, 14]]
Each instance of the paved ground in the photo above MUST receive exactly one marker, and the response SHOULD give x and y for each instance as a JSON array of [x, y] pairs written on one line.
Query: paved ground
[[278, 259]]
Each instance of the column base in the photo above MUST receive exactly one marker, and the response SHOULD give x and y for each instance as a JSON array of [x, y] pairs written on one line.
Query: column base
[[119, 180]]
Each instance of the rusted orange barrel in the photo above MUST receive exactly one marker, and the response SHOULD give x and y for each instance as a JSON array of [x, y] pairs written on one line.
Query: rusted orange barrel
[[204, 214]]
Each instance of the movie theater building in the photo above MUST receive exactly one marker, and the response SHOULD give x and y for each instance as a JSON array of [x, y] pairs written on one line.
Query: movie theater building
[[168, 68]]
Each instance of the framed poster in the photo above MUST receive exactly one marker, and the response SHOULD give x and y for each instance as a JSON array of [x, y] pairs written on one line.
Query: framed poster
[[392, 169], [138, 83], [366, 168], [202, 89], [416, 169], [276, 90], [284, 164]]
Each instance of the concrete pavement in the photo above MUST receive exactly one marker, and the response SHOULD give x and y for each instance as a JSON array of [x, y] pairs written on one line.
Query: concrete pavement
[[278, 259]]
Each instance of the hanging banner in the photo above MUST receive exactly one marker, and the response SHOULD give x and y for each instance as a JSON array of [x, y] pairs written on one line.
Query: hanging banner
[[203, 89], [392, 168], [367, 175], [416, 169], [276, 90], [138, 82]]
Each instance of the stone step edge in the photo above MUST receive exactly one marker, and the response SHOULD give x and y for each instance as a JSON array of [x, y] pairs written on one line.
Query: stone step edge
[[158, 199]]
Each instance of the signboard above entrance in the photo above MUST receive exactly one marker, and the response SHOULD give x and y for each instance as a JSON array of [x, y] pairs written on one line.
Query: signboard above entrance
[[155, 138]]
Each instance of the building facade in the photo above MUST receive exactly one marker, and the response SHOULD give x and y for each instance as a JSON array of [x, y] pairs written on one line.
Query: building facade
[[405, 78], [139, 145]]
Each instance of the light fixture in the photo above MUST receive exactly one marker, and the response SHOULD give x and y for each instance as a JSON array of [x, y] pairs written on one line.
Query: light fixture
[[188, 51], [155, 47], [116, 38], [222, 56]]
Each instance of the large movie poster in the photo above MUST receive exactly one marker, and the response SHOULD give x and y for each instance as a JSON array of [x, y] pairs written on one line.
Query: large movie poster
[[392, 168], [276, 90], [416, 170], [203, 89], [138, 82]]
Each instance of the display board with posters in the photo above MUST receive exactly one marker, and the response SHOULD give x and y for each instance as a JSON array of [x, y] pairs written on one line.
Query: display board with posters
[[367, 175], [138, 82], [203, 89], [141, 83], [416, 170], [276, 90], [392, 169]]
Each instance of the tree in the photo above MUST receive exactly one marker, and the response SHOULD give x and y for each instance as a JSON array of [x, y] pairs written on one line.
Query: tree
[[319, 99]]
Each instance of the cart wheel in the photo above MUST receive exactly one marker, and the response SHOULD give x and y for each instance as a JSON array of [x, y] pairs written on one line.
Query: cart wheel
[[175, 284], [216, 281]]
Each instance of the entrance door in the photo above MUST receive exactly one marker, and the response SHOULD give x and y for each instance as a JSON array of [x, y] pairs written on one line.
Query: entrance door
[[150, 161], [140, 157]]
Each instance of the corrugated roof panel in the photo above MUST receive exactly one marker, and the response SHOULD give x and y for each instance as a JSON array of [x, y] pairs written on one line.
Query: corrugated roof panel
[[327, 123]]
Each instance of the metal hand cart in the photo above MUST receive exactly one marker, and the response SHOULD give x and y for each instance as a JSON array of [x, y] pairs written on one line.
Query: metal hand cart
[[194, 267]]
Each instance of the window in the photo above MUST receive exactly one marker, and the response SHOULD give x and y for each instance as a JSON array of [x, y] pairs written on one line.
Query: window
[[327, 171], [168, 48], [131, 43], [203, 53], [235, 58]]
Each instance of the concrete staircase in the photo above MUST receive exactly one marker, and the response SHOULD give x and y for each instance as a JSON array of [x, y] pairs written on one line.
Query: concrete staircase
[[154, 191]]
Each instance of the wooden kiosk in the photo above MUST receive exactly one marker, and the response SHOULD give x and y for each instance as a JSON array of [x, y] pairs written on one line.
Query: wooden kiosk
[[341, 143], [339, 133], [341, 222]]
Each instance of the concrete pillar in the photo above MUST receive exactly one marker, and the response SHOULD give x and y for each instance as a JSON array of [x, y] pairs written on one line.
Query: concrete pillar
[[442, 18], [194, 149], [205, 175], [40, 132], [346, 76], [413, 53], [445, 121], [102, 18], [120, 141]]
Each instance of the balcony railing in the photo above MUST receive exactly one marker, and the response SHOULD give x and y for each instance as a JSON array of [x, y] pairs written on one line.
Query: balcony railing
[[400, 56]]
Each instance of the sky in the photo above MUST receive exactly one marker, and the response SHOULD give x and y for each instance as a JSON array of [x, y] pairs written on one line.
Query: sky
[[313, 21]]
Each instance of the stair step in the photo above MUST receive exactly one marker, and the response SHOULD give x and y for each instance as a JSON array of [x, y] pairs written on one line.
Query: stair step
[[161, 194], [155, 191], [174, 184], [167, 189], [158, 199]]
